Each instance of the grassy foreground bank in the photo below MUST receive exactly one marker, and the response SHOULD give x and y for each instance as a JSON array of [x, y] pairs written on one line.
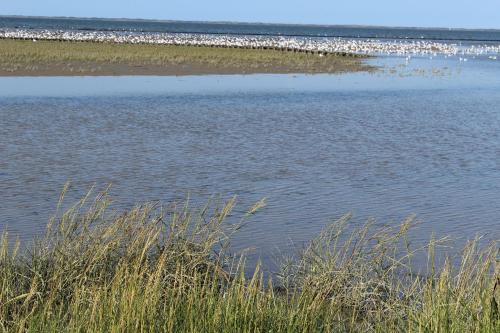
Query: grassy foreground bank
[[154, 269], [53, 58]]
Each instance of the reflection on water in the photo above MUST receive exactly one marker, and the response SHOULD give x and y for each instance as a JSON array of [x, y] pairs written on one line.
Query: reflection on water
[[378, 145]]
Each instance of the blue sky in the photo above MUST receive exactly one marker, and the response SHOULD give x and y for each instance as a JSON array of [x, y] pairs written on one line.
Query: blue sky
[[424, 13]]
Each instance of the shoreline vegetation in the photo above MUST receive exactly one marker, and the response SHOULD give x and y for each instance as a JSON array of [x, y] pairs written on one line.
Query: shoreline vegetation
[[168, 269], [70, 58]]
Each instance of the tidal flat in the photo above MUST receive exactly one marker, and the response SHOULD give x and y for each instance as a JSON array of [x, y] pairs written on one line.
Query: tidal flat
[[63, 58], [361, 202]]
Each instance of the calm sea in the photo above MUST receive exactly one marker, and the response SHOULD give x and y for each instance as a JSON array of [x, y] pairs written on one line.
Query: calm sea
[[250, 29]]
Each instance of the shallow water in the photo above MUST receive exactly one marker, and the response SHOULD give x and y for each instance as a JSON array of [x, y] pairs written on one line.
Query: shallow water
[[422, 138]]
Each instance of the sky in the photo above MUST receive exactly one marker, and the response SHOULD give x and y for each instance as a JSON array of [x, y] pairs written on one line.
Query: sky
[[413, 13]]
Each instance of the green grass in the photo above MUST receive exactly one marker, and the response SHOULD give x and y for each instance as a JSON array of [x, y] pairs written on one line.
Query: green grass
[[58, 57], [167, 269]]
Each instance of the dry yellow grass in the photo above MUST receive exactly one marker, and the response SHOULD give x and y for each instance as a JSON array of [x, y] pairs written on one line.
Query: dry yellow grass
[[158, 269]]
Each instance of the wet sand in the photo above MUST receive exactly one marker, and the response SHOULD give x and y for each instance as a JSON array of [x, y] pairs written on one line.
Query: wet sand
[[58, 58]]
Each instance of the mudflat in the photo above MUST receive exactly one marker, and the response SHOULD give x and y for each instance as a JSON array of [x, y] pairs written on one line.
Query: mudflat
[[63, 58]]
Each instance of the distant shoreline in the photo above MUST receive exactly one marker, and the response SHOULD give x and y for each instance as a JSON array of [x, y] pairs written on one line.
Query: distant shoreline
[[370, 26], [63, 58]]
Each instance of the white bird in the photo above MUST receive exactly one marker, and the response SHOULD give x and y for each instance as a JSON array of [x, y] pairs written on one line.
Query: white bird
[[403, 48]]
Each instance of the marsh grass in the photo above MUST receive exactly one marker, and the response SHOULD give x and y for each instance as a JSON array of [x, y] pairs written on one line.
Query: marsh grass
[[63, 57], [167, 268]]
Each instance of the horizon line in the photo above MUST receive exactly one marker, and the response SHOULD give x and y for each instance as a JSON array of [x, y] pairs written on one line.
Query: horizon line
[[247, 22]]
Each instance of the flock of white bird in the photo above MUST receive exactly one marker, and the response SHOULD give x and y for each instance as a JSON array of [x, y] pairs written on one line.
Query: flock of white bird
[[298, 44]]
